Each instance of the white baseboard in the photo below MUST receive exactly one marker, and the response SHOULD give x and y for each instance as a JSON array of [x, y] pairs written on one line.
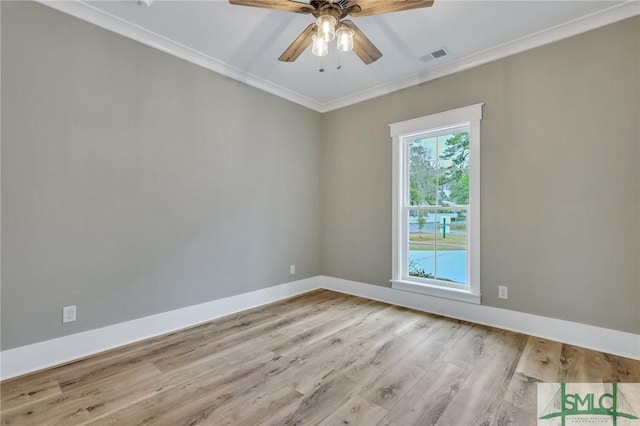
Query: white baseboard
[[587, 336], [26, 359]]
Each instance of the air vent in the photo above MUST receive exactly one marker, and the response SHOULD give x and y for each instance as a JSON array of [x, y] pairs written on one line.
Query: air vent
[[436, 54], [439, 53]]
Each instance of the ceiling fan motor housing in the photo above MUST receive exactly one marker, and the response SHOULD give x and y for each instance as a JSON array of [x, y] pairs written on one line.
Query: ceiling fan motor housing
[[336, 8]]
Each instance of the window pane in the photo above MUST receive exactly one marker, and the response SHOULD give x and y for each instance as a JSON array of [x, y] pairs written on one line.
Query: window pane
[[423, 177], [451, 246], [438, 245], [453, 173], [422, 240]]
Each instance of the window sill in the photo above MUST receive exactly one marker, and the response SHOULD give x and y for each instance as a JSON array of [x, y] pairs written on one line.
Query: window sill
[[437, 291]]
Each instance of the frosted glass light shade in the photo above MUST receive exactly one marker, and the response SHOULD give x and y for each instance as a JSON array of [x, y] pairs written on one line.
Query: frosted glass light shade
[[319, 47], [345, 39], [326, 27]]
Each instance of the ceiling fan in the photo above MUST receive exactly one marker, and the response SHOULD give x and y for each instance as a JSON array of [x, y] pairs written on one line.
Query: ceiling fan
[[330, 24]]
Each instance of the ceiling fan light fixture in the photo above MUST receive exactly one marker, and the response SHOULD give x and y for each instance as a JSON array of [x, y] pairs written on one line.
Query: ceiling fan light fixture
[[330, 16], [319, 47], [326, 27], [345, 39]]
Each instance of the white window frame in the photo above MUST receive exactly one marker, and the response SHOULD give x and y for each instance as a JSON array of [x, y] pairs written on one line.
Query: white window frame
[[401, 134]]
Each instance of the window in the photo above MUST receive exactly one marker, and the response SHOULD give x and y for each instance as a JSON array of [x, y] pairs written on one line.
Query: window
[[436, 200]]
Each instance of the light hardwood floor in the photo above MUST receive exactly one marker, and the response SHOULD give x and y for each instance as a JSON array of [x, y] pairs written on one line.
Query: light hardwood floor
[[320, 358]]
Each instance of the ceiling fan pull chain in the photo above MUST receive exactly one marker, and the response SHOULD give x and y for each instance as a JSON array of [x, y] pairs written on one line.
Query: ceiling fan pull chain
[[321, 67]]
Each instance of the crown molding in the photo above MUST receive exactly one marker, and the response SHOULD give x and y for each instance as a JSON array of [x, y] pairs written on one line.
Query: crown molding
[[568, 29], [86, 12]]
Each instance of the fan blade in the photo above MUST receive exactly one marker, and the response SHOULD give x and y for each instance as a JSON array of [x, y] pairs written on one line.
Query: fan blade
[[299, 45], [284, 5], [363, 47], [377, 7]]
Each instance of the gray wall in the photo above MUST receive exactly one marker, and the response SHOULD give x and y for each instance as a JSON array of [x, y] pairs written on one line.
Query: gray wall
[[560, 183], [134, 182]]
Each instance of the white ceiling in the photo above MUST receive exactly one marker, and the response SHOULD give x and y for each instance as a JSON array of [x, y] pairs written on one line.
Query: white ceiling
[[245, 42]]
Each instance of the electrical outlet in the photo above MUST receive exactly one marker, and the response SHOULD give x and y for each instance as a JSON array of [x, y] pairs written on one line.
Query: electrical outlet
[[292, 269], [69, 313], [503, 292]]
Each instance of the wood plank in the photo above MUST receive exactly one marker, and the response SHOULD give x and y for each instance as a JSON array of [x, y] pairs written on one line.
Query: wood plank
[[421, 329], [482, 350], [540, 359], [522, 392], [435, 346], [174, 399], [307, 384], [202, 352], [326, 397], [301, 306], [374, 354], [262, 404], [623, 370], [17, 394], [303, 333], [73, 408], [312, 363], [391, 320], [588, 366], [356, 411], [429, 398], [383, 354], [386, 422], [579, 365], [510, 415], [362, 347], [392, 385], [177, 387]]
